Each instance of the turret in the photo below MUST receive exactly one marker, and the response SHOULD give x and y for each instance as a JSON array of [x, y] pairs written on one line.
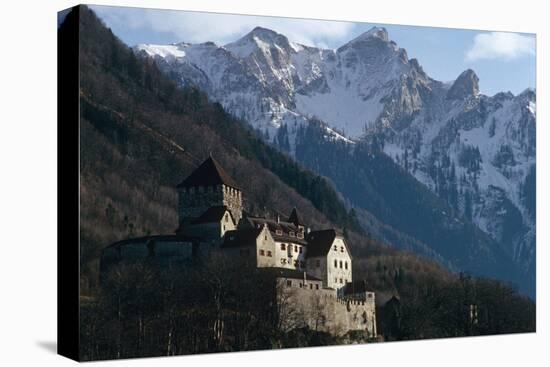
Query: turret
[[208, 186]]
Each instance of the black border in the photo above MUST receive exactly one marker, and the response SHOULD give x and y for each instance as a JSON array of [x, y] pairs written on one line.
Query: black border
[[68, 183]]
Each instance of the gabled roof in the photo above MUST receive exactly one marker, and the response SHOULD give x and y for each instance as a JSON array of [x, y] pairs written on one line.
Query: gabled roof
[[273, 226], [209, 173], [212, 215], [295, 218], [241, 237], [320, 242]]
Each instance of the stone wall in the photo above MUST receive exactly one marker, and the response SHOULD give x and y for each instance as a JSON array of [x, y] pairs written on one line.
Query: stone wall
[[317, 266], [322, 310], [194, 201]]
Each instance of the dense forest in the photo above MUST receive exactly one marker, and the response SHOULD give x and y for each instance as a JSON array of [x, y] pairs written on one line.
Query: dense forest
[[141, 135]]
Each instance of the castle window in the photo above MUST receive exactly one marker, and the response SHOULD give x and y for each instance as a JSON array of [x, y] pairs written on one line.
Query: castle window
[[226, 217], [279, 232], [346, 265], [295, 262], [283, 246], [269, 254], [289, 283], [341, 281], [301, 285], [342, 249], [265, 237], [317, 263], [335, 263], [295, 248], [291, 234], [310, 285], [335, 248], [316, 286], [301, 249], [300, 235], [262, 253], [341, 265], [335, 280]]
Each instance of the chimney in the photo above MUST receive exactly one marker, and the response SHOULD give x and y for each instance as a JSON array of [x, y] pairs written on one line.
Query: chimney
[[278, 218]]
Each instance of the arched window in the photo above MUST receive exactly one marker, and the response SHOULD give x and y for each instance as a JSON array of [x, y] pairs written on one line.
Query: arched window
[[335, 263]]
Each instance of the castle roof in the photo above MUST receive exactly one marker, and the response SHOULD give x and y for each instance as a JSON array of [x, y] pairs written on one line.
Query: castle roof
[[295, 218], [320, 242], [209, 173], [274, 226], [241, 237], [212, 215]]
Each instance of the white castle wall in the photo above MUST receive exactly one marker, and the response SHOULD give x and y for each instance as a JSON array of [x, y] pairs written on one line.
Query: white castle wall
[[337, 261]]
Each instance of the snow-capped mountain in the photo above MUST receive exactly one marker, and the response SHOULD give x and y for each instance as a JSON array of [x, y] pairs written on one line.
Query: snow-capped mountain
[[476, 152]]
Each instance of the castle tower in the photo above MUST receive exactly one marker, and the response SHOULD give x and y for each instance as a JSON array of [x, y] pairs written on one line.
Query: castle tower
[[208, 186]]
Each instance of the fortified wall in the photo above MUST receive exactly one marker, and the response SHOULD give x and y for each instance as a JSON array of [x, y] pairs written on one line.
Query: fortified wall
[[324, 310]]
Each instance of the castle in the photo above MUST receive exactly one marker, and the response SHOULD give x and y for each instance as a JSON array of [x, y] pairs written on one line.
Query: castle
[[313, 268]]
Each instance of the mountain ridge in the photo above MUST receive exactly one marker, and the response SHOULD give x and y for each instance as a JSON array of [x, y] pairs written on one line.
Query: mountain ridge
[[369, 90]]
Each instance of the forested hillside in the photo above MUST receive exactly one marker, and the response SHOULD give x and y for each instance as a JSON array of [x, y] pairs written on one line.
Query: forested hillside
[[140, 135], [383, 189]]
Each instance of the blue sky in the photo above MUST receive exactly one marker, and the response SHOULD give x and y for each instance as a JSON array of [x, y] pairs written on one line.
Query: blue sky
[[503, 61]]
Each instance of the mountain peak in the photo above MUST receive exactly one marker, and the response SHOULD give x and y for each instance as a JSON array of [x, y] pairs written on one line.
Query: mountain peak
[[375, 32], [261, 31], [258, 37], [376, 36], [467, 84], [264, 34]]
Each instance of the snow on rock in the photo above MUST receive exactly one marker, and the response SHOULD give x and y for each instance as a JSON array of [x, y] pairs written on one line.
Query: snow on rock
[[473, 150]]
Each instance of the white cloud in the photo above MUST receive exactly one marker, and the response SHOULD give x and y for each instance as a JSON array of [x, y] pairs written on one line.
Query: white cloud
[[195, 27], [500, 45]]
